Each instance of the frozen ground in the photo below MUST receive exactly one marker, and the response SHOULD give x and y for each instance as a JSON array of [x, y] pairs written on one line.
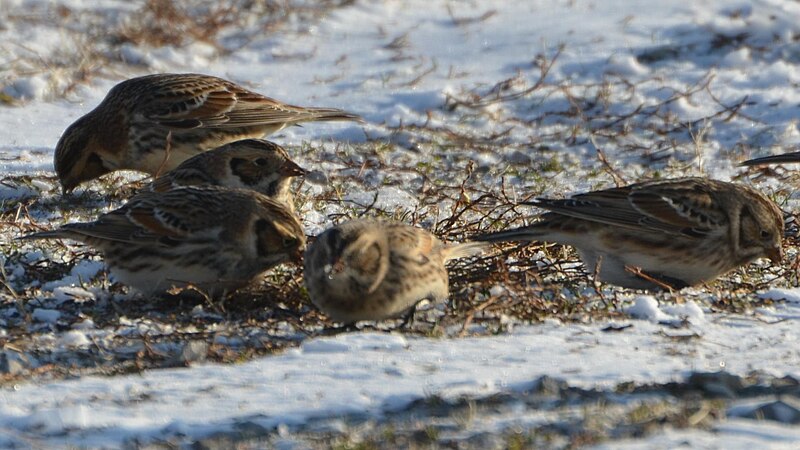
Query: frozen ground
[[471, 106]]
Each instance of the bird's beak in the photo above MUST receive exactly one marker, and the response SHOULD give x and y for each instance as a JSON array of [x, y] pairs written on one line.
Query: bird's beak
[[334, 268], [297, 257], [291, 169], [775, 255], [337, 267]]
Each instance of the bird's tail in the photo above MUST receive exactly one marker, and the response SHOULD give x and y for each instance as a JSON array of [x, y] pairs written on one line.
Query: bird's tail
[[465, 249], [330, 114], [529, 233], [52, 234], [774, 159]]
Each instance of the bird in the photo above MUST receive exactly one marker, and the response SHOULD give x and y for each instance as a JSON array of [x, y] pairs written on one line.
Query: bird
[[155, 122], [210, 238], [256, 164], [793, 157], [660, 235], [371, 270]]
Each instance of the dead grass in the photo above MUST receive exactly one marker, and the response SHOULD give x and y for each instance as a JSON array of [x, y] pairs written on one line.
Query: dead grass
[[539, 124], [162, 22], [515, 284], [95, 40], [455, 198]]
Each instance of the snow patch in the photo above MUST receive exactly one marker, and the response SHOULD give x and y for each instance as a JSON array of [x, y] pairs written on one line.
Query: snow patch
[[74, 339], [78, 294], [789, 295], [46, 315], [645, 307], [355, 342]]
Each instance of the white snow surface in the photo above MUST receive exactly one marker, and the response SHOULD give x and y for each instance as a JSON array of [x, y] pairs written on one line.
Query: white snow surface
[[375, 372]]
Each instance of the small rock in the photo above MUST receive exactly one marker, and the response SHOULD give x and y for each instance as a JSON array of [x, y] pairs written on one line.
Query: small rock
[[242, 432], [194, 351], [317, 177], [616, 327], [405, 140], [484, 439], [778, 411], [547, 385], [785, 381], [519, 157], [716, 384], [13, 363]]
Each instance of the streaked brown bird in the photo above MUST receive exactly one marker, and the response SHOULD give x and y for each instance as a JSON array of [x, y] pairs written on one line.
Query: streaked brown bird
[[793, 157], [665, 234], [371, 270], [215, 239], [155, 122], [254, 164]]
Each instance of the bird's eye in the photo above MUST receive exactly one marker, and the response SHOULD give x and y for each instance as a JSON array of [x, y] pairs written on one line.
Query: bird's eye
[[765, 234], [260, 162], [289, 242]]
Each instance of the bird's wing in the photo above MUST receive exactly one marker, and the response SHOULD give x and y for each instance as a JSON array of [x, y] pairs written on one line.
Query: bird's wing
[[684, 207], [114, 226], [413, 243], [168, 217], [208, 102], [182, 176]]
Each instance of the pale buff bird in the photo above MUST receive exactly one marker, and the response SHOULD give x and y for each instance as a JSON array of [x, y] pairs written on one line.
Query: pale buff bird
[[371, 270], [253, 164], [216, 239], [674, 233], [155, 122]]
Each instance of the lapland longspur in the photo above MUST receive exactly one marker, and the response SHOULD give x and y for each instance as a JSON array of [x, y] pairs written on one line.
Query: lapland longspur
[[215, 239], [370, 270], [253, 164], [660, 234], [155, 122]]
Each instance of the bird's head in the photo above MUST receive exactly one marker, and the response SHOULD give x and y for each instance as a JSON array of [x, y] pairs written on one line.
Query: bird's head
[[77, 157]]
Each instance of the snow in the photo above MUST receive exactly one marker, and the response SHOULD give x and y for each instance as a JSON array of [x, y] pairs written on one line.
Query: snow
[[46, 315], [689, 310], [75, 339], [395, 61], [378, 372], [64, 293], [386, 198], [64, 288], [733, 434], [789, 295], [645, 307]]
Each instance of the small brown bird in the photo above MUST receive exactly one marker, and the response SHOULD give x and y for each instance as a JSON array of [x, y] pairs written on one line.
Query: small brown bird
[[155, 122], [793, 157], [660, 234], [216, 239], [370, 270], [253, 164]]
